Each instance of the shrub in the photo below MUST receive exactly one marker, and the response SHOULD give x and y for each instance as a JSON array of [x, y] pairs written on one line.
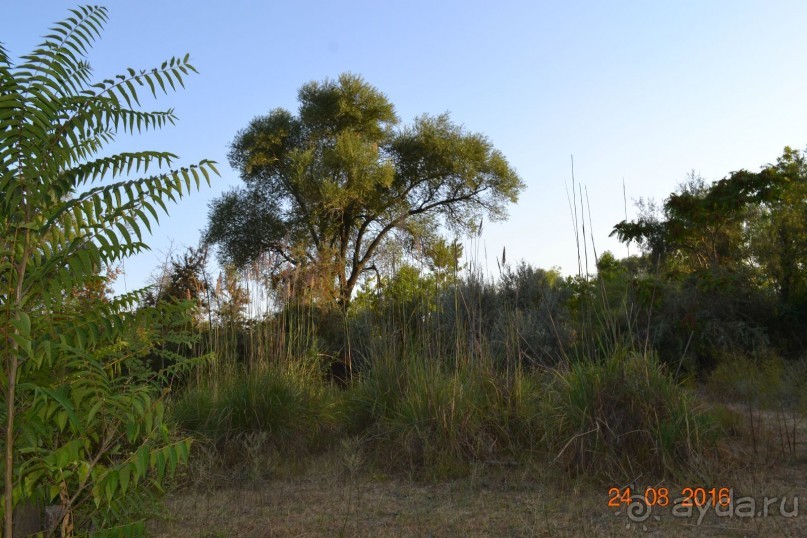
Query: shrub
[[83, 422], [624, 416], [289, 404], [425, 418]]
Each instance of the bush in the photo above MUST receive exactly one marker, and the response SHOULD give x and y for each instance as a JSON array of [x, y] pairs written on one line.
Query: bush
[[422, 417], [289, 405], [83, 422], [623, 417]]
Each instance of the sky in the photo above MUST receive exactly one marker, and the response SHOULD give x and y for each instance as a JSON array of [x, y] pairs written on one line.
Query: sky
[[639, 93]]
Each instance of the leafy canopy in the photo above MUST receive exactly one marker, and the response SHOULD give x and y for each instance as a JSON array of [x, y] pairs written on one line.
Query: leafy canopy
[[328, 190], [83, 419], [751, 222]]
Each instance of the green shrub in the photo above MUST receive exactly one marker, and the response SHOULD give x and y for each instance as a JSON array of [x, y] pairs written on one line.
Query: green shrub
[[623, 417], [83, 421], [424, 418], [289, 404], [740, 378]]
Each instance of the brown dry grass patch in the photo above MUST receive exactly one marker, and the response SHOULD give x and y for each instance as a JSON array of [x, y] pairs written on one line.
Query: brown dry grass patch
[[337, 495]]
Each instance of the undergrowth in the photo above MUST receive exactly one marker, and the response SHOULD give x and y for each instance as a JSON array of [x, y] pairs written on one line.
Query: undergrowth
[[623, 416], [286, 406]]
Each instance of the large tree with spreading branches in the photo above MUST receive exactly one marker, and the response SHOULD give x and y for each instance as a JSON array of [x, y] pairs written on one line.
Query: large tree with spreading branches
[[326, 190]]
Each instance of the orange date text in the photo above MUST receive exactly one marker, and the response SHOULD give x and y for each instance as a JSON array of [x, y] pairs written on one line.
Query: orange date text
[[661, 496]]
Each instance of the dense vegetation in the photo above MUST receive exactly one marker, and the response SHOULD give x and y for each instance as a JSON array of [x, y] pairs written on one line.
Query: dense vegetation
[[342, 314], [439, 367]]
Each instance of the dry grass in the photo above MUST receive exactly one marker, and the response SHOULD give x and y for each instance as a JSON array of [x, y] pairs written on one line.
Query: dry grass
[[336, 494]]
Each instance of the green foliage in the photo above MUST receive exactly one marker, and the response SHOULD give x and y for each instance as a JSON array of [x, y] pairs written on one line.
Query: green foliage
[[401, 299], [522, 321], [83, 419], [623, 417], [326, 191], [595, 312], [701, 227], [184, 280], [744, 217], [763, 382], [91, 434], [288, 403], [729, 263], [232, 299], [778, 239], [437, 421]]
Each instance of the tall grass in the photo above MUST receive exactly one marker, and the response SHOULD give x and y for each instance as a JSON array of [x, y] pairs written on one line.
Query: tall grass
[[287, 404], [624, 417], [445, 375], [437, 420]]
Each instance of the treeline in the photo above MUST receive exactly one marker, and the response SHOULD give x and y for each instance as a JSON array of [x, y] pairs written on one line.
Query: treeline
[[721, 274]]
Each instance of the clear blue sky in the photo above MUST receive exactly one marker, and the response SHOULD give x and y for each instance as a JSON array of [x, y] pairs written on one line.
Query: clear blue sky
[[640, 90]]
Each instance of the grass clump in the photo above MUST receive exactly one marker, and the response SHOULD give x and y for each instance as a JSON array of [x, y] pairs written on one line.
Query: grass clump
[[623, 417], [287, 407], [425, 418]]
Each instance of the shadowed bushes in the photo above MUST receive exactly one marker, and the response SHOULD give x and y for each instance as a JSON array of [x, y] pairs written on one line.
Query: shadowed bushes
[[521, 322], [764, 385], [623, 416]]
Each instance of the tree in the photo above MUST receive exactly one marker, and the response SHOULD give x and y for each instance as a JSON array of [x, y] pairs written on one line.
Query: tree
[[732, 256], [779, 231], [232, 299], [326, 189], [183, 277], [746, 220], [83, 420], [701, 227]]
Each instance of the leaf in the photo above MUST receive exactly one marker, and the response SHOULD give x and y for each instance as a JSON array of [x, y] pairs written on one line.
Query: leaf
[[61, 457], [124, 478], [94, 410], [59, 398], [159, 464], [83, 470], [61, 420], [96, 495], [171, 453], [111, 486], [22, 323], [142, 461], [132, 431], [148, 417], [53, 492]]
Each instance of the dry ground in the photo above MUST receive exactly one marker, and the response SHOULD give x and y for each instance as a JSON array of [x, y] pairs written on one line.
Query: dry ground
[[336, 495]]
